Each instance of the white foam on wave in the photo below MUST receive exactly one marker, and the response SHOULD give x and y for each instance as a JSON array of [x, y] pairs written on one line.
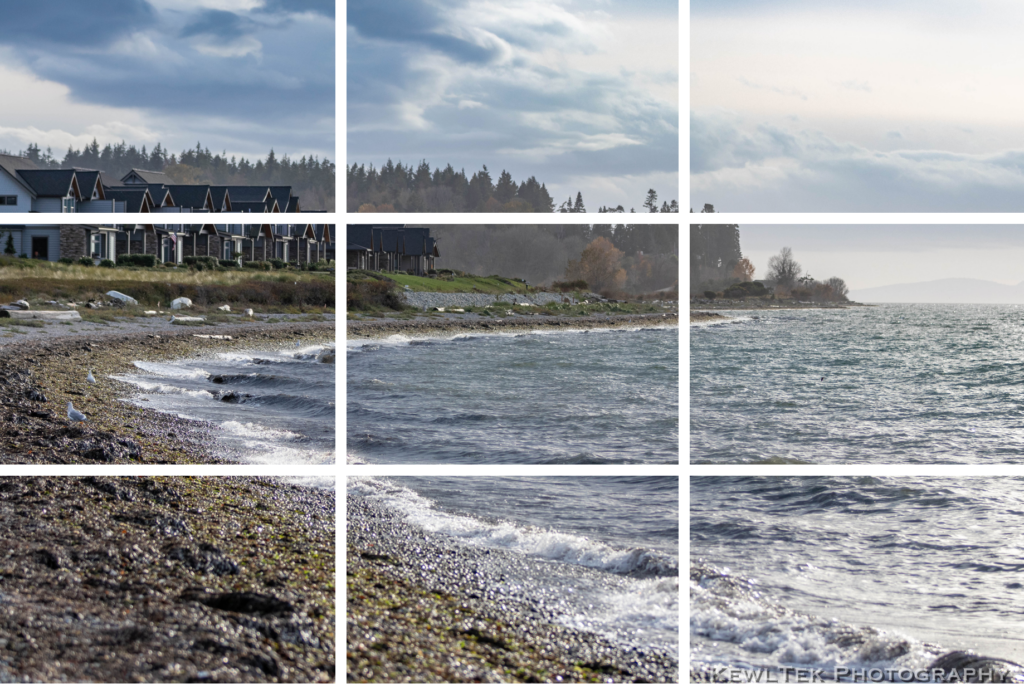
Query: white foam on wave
[[646, 613], [171, 370], [720, 321], [547, 544], [733, 624], [147, 385]]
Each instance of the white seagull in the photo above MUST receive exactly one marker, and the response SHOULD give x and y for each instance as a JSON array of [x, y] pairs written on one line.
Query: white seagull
[[76, 416], [89, 379]]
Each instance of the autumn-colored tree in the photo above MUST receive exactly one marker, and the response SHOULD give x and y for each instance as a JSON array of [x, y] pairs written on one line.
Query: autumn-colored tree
[[492, 206], [385, 208], [367, 208], [744, 270], [599, 266]]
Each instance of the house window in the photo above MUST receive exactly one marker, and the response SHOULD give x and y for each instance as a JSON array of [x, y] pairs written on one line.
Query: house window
[[68, 205], [8, 200], [228, 244], [98, 246]]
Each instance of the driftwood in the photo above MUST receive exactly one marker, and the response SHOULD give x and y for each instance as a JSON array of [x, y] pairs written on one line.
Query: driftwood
[[41, 315]]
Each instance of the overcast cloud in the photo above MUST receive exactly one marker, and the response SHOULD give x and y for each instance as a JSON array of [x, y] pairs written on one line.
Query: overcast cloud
[[237, 75], [856, 106], [582, 95], [874, 256]]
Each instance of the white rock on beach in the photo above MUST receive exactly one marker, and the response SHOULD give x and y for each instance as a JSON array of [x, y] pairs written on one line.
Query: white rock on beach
[[185, 319], [226, 307], [21, 304], [248, 312], [123, 298], [181, 303]]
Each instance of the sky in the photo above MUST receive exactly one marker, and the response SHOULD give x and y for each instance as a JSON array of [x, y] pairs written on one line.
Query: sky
[[584, 95], [241, 76], [878, 255], [903, 105]]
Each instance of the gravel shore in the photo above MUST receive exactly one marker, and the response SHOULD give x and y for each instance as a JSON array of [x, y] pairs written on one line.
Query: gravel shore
[[424, 609], [39, 376], [701, 316], [138, 579], [443, 326]]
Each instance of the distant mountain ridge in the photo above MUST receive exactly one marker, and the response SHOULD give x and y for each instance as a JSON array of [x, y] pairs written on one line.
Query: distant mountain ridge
[[943, 291]]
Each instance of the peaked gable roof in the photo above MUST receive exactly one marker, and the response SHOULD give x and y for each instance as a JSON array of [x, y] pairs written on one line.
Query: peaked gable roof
[[221, 197], [89, 183], [249, 193], [51, 182], [250, 207], [194, 196], [143, 177], [136, 200]]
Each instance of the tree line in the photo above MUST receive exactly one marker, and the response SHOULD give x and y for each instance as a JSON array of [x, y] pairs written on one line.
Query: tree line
[[311, 178], [647, 255], [717, 263], [402, 188]]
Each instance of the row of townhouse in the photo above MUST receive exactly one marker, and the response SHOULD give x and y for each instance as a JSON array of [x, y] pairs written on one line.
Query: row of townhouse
[[391, 248], [25, 188]]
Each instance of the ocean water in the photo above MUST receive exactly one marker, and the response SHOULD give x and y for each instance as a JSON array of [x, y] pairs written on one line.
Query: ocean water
[[266, 407], [598, 396], [907, 383], [829, 573], [624, 529]]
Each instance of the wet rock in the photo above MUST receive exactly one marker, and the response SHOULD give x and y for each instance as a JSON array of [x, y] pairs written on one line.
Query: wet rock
[[241, 602], [36, 395], [206, 559], [55, 559]]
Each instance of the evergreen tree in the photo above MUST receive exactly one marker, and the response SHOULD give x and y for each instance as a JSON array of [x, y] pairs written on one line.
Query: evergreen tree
[[651, 203]]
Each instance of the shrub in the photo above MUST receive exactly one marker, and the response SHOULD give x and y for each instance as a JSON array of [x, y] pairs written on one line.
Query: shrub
[[228, 263], [84, 261], [278, 263], [257, 265], [708, 294], [431, 271], [569, 285], [107, 263], [169, 264], [66, 260], [202, 263], [145, 260], [373, 294]]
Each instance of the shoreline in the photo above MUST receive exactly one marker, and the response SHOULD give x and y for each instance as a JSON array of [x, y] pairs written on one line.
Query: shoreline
[[442, 327], [424, 608], [119, 579], [39, 376]]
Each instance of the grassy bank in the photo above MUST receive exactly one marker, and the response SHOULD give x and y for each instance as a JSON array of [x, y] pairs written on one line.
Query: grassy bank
[[468, 283]]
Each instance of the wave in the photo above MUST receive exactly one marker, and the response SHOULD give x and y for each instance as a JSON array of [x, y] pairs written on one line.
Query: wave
[[547, 544], [398, 340], [752, 631]]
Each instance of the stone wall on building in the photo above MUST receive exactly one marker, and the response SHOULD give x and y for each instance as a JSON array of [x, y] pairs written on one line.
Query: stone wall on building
[[74, 242]]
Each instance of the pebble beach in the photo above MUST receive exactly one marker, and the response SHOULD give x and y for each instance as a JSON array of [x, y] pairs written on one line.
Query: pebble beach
[[422, 609]]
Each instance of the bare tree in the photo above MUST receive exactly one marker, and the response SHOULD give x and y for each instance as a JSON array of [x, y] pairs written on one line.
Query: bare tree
[[783, 269], [839, 288]]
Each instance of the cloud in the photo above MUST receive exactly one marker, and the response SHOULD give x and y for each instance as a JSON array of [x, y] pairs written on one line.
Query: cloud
[[542, 89], [765, 169], [266, 66]]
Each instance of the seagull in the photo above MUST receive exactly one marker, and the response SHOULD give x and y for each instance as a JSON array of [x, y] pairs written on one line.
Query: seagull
[[89, 379], [75, 416]]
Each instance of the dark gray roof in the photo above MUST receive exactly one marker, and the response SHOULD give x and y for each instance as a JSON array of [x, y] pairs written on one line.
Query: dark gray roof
[[87, 181], [358, 248], [248, 193], [219, 193], [281, 193], [360, 235], [135, 200], [148, 177], [249, 207], [159, 193], [48, 182], [293, 205], [324, 232], [194, 196]]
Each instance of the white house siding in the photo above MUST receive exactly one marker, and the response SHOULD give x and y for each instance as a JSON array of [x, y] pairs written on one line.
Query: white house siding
[[9, 186], [47, 204]]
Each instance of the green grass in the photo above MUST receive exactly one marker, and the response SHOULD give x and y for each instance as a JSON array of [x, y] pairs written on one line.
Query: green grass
[[488, 285]]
